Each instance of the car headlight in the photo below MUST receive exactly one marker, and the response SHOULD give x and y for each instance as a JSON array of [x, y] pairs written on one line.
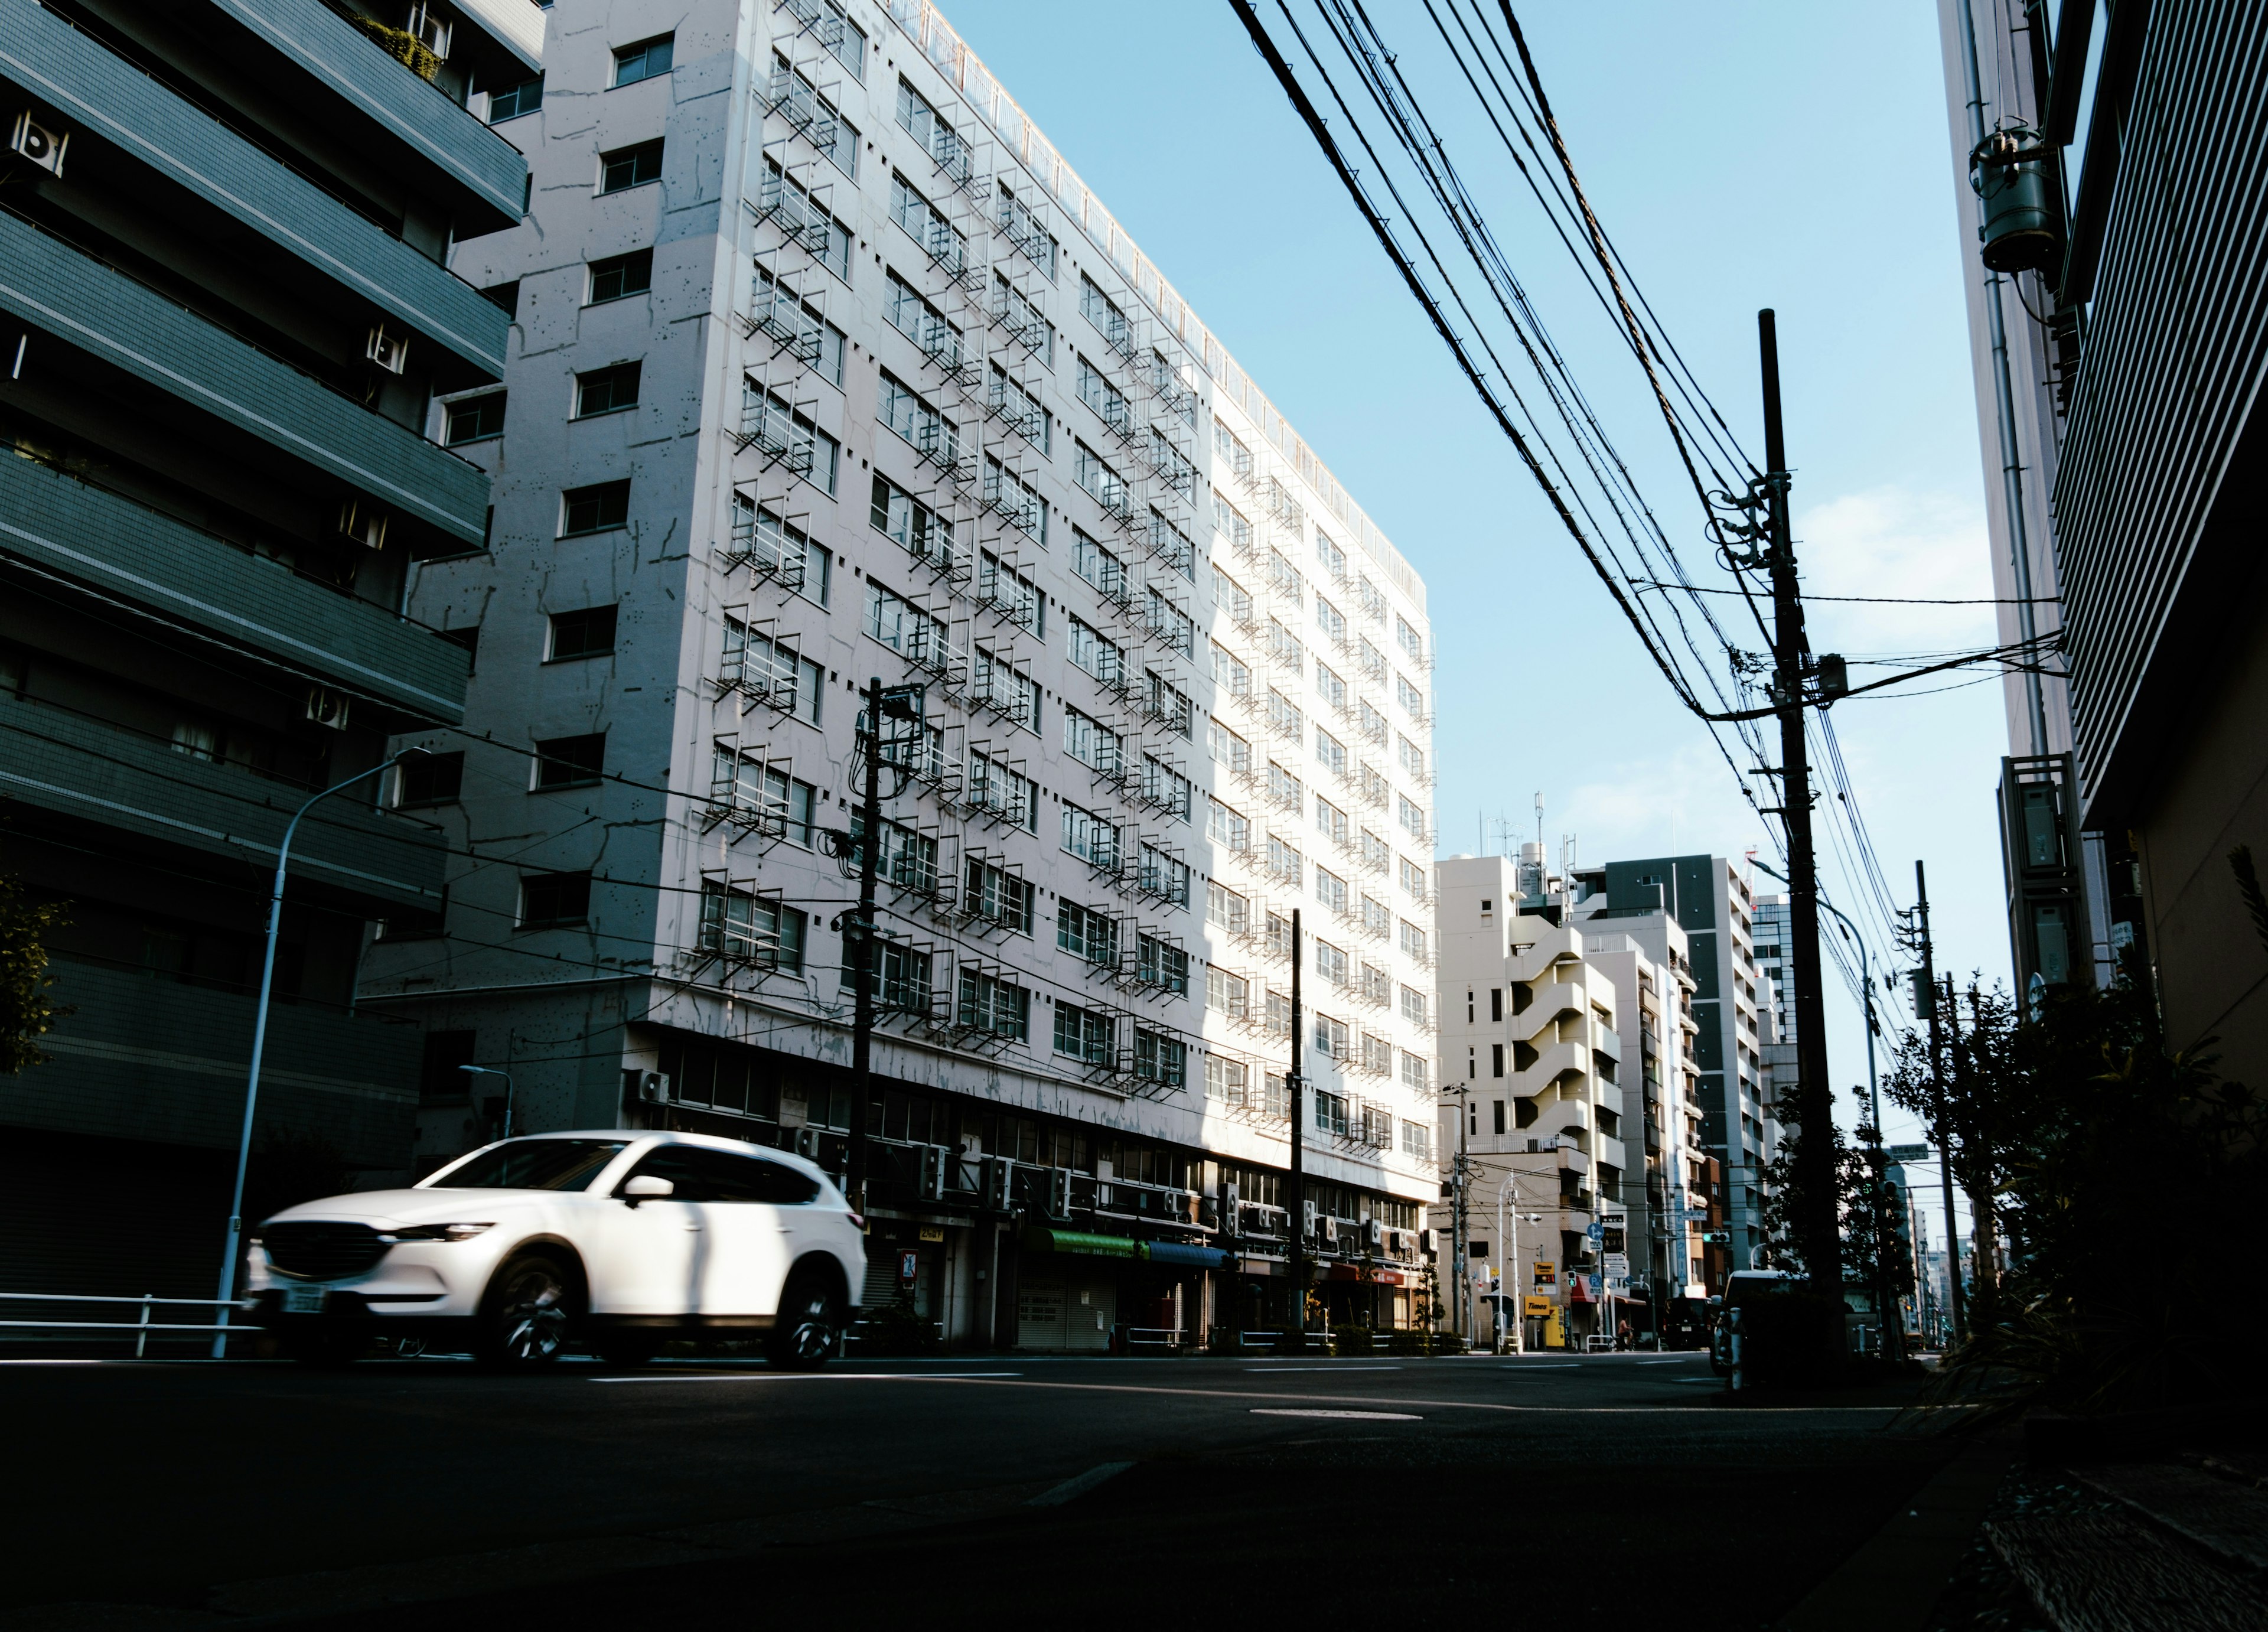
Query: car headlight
[[434, 1232]]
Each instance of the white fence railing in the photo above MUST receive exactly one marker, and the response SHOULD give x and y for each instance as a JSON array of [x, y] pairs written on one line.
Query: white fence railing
[[143, 1327]]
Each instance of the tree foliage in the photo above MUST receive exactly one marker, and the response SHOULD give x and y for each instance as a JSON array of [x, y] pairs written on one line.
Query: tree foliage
[[26, 1013]]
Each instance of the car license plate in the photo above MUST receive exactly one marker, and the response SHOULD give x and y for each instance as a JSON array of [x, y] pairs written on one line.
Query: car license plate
[[304, 1299]]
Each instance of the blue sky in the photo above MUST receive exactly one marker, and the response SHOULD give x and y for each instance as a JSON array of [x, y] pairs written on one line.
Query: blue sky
[[1781, 154]]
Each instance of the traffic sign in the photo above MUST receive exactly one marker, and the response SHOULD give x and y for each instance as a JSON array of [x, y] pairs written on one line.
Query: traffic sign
[[1595, 1230], [1617, 1265], [1903, 1153]]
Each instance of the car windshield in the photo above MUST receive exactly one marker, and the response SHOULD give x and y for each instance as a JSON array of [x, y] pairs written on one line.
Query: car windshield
[[532, 1164]]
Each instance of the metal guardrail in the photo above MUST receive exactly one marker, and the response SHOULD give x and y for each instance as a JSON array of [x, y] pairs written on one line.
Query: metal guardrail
[[142, 1328]]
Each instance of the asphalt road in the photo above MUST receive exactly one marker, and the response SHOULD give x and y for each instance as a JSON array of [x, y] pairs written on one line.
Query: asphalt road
[[1105, 1492]]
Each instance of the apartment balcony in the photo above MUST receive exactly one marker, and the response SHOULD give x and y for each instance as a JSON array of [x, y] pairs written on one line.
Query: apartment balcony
[[122, 550], [124, 325], [108, 96], [1559, 1060], [351, 85], [142, 1056], [88, 771]]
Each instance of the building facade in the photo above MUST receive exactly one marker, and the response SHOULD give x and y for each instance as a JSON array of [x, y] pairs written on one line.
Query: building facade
[[2120, 484], [225, 306], [827, 371]]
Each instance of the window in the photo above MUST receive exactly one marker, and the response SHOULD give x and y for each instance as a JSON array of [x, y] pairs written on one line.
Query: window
[[804, 219], [998, 788], [938, 137], [589, 633], [1331, 963], [1376, 917], [1229, 522], [618, 276], [1229, 994], [1374, 851], [1377, 1054], [1102, 311], [1229, 448], [903, 976], [796, 326], [1284, 715], [1233, 597], [1416, 1070], [1413, 941], [1103, 484], [1375, 787], [1333, 753], [1227, 909], [995, 1005], [1372, 660], [1411, 815], [1374, 725], [1170, 464], [1087, 934], [1014, 595], [1331, 555], [1172, 625], [1412, 699], [1160, 1058], [1085, 1035], [551, 900], [1224, 747], [762, 795], [505, 297], [1092, 744], [1161, 964], [1165, 787], [1417, 1141], [914, 317], [431, 779], [998, 896], [1025, 322], [741, 925], [899, 515], [1171, 390], [1226, 826], [832, 27], [1016, 500], [916, 634], [1377, 984], [649, 59], [1100, 567], [1164, 876], [1285, 862], [1020, 410], [600, 508], [1406, 636], [626, 168], [1092, 838], [1330, 1113], [1095, 652], [1330, 620], [1006, 689], [1169, 704], [570, 761], [1283, 788], [1330, 1037], [1331, 890], [1284, 647], [606, 390], [1331, 819], [931, 436], [1413, 757], [921, 221], [475, 419], [1333, 689], [1413, 1004], [1372, 599], [780, 549], [522, 96], [792, 94], [1231, 672], [758, 666], [1027, 232], [1227, 1080], [789, 434], [1283, 576]]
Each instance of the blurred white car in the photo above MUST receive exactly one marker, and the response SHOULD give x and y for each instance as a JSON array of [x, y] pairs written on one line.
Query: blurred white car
[[616, 1240]]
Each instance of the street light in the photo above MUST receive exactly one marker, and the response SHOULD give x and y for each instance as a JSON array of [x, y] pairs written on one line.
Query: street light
[[259, 1036], [1511, 1278], [482, 1071]]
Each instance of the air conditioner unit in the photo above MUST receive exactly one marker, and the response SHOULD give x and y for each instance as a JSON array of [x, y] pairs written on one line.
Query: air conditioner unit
[[999, 1184], [390, 352], [1232, 1216], [1429, 1242], [653, 1088], [326, 707], [363, 522], [1397, 1242], [43, 146], [1059, 1193], [1306, 1221], [1375, 1233], [807, 1142], [933, 1172], [430, 30], [1331, 1232]]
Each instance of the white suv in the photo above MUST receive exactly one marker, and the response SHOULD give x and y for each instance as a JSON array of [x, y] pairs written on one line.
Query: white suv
[[618, 1241]]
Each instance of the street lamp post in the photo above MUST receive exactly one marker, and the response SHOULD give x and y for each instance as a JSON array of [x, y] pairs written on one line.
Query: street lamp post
[[483, 1071], [1509, 1285], [260, 1038]]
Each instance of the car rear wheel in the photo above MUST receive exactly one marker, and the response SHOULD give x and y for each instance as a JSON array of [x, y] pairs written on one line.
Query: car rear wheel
[[809, 1326], [525, 1319]]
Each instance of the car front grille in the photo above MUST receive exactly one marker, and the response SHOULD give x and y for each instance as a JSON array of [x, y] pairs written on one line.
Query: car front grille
[[318, 1251]]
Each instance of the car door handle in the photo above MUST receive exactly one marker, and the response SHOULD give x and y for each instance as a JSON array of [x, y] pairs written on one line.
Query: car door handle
[[691, 1225]]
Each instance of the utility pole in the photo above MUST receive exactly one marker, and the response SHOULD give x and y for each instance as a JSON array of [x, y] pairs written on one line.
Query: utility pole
[[1925, 996], [859, 929], [1461, 1314], [1820, 1228], [1295, 1084]]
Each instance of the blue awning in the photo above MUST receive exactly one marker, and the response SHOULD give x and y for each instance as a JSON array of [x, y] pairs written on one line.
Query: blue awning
[[1173, 1253]]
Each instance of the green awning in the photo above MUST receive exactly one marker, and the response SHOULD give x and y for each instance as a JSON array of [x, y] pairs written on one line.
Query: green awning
[[1079, 1241]]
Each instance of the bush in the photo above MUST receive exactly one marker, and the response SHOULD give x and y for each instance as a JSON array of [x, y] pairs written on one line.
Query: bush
[[1351, 1340]]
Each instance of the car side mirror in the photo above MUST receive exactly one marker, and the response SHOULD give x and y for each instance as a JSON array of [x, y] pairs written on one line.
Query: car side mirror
[[647, 1187]]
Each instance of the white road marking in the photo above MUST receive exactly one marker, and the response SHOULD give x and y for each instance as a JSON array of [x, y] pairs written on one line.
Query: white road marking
[[1286, 1370], [1071, 1489], [1351, 1416], [804, 1376]]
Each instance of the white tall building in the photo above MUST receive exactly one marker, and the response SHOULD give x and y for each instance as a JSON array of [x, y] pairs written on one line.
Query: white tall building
[[827, 368]]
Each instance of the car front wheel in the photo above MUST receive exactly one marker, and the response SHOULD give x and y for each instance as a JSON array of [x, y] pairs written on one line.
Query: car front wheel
[[524, 1321], [809, 1326]]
